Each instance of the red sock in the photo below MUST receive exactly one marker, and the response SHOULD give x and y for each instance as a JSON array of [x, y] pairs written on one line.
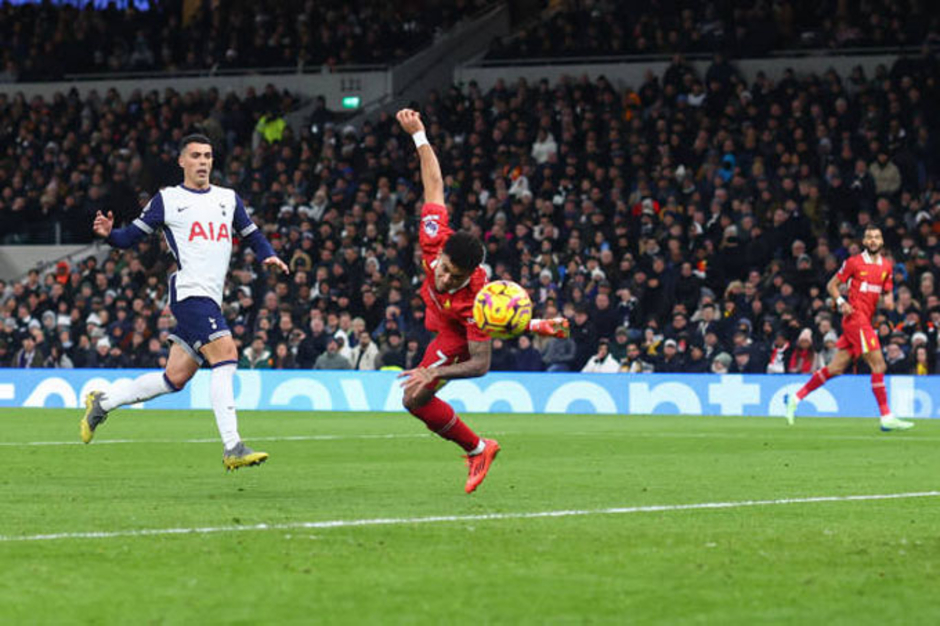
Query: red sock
[[815, 382], [439, 417], [881, 394]]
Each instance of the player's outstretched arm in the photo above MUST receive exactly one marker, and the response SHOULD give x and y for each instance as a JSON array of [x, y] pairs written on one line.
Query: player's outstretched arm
[[481, 353], [431, 176], [103, 227], [250, 233]]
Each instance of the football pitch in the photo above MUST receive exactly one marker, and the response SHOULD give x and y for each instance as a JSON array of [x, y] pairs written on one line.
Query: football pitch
[[362, 519]]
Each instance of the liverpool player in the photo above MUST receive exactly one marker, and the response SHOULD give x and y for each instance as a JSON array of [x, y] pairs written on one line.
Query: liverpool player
[[869, 278], [459, 349]]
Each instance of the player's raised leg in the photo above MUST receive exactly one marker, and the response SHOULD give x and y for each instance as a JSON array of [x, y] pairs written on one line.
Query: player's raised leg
[[441, 419], [889, 422], [840, 362], [180, 368], [222, 356]]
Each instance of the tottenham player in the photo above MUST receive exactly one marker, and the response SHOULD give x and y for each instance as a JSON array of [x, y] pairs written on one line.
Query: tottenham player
[[198, 221], [869, 277], [459, 349]]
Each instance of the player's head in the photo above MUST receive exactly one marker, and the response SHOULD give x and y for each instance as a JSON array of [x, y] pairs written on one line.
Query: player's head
[[196, 160], [873, 239], [462, 254]]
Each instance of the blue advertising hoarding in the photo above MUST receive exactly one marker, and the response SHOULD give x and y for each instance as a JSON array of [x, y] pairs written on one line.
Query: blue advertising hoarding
[[644, 394]]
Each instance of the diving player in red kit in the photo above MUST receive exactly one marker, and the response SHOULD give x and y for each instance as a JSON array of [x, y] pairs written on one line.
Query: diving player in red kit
[[459, 349], [870, 277]]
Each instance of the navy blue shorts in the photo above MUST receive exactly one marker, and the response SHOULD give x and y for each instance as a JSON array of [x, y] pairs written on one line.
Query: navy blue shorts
[[198, 321]]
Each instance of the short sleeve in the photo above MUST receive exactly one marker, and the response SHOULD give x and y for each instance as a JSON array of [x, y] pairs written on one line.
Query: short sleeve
[[434, 230], [151, 217], [474, 333], [848, 268], [241, 222]]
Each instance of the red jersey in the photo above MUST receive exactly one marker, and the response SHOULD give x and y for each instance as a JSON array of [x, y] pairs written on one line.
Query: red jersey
[[867, 281], [451, 311]]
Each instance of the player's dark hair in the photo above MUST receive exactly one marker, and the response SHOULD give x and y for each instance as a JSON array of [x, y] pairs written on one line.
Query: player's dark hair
[[872, 226], [465, 250], [194, 138]]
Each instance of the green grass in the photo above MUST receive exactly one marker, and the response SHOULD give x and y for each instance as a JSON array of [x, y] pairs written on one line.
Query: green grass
[[873, 562]]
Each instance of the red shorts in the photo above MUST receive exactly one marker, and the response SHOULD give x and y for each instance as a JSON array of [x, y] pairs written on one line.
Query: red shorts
[[446, 349], [858, 339]]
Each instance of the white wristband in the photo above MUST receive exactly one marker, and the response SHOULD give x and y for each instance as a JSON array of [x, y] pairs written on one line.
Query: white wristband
[[421, 139], [840, 301]]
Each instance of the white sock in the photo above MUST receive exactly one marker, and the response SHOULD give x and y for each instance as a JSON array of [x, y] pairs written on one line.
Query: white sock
[[479, 449], [222, 393], [887, 417], [133, 391]]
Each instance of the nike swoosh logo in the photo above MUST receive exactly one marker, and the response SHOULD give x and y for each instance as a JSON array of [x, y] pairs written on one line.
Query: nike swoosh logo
[[182, 208]]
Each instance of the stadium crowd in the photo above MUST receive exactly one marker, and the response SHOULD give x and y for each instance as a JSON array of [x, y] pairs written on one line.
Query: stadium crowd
[[49, 41], [748, 28], [687, 226]]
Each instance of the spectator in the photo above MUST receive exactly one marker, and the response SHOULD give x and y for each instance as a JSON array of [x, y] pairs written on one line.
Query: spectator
[[721, 364], [922, 362], [57, 358], [744, 362], [365, 355], [256, 356], [560, 355], [392, 354], [527, 357], [634, 362], [501, 359], [803, 358], [283, 359], [332, 359], [602, 362], [414, 353], [696, 363], [584, 336], [886, 175], [829, 347], [780, 354], [29, 356], [618, 349], [313, 345], [897, 361], [670, 361]]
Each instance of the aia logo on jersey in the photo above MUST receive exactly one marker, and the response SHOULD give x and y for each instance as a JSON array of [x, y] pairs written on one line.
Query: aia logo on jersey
[[210, 233]]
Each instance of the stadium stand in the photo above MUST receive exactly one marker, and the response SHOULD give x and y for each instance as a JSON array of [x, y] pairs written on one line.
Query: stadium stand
[[687, 225], [593, 28], [47, 42]]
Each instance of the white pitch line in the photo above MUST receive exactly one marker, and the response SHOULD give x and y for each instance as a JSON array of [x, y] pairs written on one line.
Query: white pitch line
[[485, 517], [99, 442]]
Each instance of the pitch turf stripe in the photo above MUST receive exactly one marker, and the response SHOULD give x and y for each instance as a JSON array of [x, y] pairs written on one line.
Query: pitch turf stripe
[[766, 437], [485, 517]]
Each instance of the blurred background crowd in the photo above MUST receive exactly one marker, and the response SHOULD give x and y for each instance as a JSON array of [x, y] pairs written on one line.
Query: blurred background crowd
[[50, 42], [688, 224]]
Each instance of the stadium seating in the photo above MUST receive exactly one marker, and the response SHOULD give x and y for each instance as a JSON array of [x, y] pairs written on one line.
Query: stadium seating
[[630, 211], [48, 42], [593, 28]]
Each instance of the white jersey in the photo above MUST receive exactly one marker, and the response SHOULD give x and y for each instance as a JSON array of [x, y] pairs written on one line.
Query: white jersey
[[198, 226]]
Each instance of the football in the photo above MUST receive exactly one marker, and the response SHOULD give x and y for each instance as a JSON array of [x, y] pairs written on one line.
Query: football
[[502, 309]]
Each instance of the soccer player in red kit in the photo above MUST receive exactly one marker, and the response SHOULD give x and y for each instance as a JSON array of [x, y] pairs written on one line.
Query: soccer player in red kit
[[869, 277], [459, 349]]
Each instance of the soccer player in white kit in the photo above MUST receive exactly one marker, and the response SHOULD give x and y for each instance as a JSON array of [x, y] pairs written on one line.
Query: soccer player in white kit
[[198, 220]]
